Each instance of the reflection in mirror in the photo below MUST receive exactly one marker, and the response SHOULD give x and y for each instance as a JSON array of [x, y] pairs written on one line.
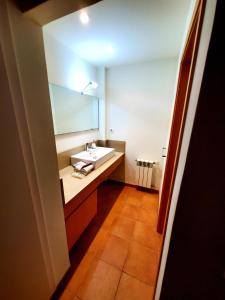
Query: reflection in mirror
[[72, 111]]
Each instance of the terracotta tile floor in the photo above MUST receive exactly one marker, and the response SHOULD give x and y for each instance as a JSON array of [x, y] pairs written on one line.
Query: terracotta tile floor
[[121, 259]]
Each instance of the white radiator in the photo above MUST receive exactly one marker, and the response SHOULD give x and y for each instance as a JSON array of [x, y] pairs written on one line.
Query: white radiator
[[144, 173]]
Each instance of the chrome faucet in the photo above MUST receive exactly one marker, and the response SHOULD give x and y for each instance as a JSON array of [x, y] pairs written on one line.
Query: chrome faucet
[[87, 146]]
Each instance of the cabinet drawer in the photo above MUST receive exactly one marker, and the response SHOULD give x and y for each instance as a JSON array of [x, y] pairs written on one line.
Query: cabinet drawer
[[80, 218]]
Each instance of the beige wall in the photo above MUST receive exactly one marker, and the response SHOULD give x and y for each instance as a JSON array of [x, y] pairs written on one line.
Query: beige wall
[[22, 264], [23, 271], [35, 250]]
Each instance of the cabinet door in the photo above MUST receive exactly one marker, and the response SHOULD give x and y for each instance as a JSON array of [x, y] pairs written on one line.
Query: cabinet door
[[80, 218]]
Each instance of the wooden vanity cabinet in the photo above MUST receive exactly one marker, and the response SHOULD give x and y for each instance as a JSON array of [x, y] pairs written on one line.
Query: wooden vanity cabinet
[[80, 217], [80, 210]]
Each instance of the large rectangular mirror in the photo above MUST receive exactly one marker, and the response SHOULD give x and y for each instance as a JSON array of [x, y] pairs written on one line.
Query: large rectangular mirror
[[73, 111]]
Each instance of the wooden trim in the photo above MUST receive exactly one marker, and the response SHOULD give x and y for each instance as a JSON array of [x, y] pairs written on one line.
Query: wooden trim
[[130, 185], [46, 11], [147, 190], [180, 110], [199, 15], [187, 54], [62, 191]]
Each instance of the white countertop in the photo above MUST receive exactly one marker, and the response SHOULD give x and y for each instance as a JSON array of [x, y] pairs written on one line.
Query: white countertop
[[72, 186]]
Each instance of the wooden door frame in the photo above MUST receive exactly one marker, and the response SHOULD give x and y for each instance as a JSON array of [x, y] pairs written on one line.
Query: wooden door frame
[[186, 73]]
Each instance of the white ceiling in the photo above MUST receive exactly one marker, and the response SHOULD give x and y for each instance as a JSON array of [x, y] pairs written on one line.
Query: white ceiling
[[137, 30]]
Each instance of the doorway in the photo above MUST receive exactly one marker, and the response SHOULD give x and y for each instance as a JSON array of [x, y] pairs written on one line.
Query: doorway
[[186, 72]]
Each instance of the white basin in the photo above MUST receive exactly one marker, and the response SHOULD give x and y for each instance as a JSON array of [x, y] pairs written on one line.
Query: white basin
[[95, 156]]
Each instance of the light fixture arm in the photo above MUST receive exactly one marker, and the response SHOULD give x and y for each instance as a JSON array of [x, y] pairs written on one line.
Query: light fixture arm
[[90, 83], [86, 86]]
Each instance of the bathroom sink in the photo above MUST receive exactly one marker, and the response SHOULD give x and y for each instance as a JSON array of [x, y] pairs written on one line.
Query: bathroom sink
[[96, 156]]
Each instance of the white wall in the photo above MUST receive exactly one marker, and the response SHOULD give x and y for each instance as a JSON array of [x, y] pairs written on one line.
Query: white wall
[[68, 141], [183, 44], [101, 79], [67, 69], [139, 103]]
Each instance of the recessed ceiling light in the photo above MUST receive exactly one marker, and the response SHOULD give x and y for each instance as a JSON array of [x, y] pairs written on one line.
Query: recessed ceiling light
[[109, 49], [84, 18]]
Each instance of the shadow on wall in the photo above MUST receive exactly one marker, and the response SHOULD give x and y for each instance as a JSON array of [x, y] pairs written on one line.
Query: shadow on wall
[[119, 173], [156, 176], [120, 146]]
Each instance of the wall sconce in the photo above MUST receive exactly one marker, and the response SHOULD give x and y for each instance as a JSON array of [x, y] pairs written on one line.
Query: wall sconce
[[90, 85]]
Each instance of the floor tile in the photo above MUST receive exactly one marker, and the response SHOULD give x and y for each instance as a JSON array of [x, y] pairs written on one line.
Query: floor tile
[[131, 288], [148, 217], [129, 211], [114, 251], [123, 227], [125, 239], [133, 200], [91, 240], [133, 196], [145, 235], [142, 263], [118, 206], [80, 273], [98, 241], [100, 283], [150, 202], [67, 295], [107, 224], [132, 190]]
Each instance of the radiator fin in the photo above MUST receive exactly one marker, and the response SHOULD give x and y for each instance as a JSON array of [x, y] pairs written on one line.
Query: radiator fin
[[144, 173]]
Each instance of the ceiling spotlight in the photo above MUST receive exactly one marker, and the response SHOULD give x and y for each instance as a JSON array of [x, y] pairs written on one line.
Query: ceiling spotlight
[[84, 18], [109, 49]]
